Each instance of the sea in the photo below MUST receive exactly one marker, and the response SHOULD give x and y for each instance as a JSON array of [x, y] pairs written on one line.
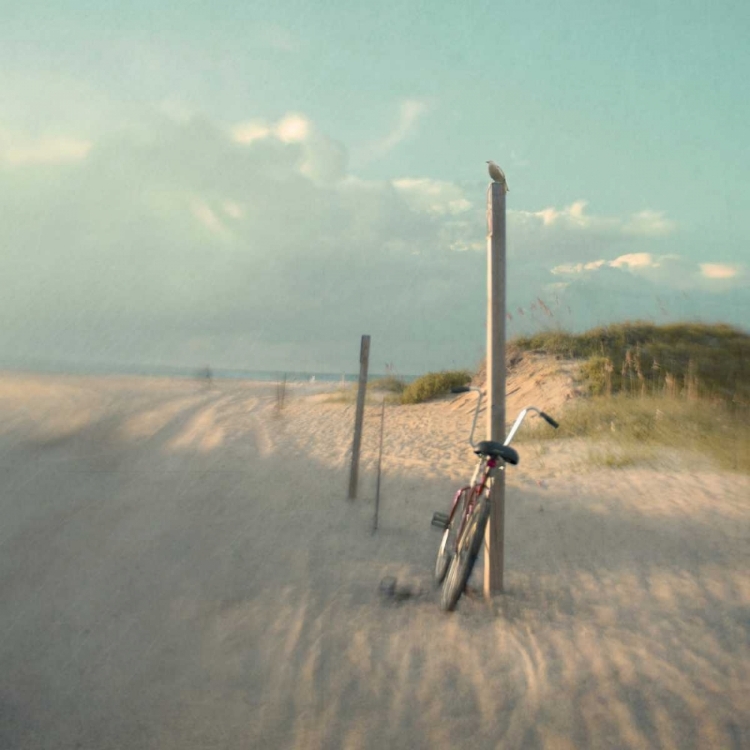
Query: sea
[[168, 371]]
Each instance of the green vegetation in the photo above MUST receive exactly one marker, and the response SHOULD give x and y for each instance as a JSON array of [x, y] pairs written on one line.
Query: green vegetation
[[649, 387], [627, 426], [348, 395], [390, 383], [434, 384], [681, 386], [710, 361]]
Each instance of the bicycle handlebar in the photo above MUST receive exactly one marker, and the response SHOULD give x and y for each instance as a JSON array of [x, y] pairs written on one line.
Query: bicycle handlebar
[[548, 419], [519, 419]]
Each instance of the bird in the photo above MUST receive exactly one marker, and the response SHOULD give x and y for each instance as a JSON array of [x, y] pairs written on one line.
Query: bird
[[497, 174]]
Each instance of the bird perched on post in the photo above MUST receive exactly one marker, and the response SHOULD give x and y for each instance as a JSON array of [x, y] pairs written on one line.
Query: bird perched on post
[[498, 175]]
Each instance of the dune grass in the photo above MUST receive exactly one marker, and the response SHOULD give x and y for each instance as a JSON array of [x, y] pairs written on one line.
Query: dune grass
[[389, 383], [433, 385], [627, 428], [685, 385], [389, 387], [397, 391], [706, 361]]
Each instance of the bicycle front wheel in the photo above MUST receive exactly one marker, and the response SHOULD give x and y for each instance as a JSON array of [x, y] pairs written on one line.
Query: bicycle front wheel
[[448, 542], [467, 550]]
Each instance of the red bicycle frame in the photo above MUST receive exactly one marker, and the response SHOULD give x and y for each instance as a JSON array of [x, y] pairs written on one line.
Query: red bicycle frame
[[475, 491]]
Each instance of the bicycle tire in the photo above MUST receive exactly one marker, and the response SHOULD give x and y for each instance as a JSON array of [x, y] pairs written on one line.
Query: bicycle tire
[[447, 543], [462, 564]]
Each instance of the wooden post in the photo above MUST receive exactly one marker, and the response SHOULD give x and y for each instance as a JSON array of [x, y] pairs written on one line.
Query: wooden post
[[364, 357], [380, 464], [495, 534]]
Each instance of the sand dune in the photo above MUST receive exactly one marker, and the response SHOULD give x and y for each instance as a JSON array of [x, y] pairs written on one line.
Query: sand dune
[[179, 568]]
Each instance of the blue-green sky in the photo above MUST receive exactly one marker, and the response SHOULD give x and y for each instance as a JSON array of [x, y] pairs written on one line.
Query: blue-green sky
[[257, 184]]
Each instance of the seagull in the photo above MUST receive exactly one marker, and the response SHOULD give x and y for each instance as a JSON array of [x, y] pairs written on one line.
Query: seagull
[[497, 174]]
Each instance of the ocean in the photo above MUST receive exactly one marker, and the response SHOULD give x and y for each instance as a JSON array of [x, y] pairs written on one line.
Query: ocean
[[66, 368]]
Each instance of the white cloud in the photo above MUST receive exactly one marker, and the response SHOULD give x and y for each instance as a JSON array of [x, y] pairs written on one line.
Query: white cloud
[[669, 274], [719, 270], [292, 128], [645, 223], [252, 130], [323, 159], [207, 217], [233, 209], [462, 246], [410, 112], [176, 109], [548, 216], [635, 260], [316, 259], [434, 196], [649, 224], [49, 150], [573, 268], [573, 216]]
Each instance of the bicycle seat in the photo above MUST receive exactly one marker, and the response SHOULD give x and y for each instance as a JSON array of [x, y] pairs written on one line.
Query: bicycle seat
[[493, 449]]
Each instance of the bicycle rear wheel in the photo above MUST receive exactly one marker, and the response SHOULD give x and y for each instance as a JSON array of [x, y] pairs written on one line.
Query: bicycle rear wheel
[[448, 542], [467, 550]]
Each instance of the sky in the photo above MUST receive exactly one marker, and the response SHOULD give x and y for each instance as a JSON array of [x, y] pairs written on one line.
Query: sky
[[255, 185]]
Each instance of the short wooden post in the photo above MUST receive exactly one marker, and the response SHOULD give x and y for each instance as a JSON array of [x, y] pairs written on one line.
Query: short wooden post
[[380, 464], [364, 357], [495, 534]]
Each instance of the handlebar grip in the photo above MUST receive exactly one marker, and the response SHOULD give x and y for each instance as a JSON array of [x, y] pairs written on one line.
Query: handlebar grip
[[548, 419], [460, 389]]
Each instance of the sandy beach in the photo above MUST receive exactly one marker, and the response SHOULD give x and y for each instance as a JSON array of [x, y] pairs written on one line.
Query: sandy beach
[[180, 568]]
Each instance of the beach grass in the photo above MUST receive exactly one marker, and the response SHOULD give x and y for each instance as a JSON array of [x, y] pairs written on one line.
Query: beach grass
[[434, 384], [645, 386], [626, 428]]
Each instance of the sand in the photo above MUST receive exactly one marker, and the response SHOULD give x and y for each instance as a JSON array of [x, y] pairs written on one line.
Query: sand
[[179, 568]]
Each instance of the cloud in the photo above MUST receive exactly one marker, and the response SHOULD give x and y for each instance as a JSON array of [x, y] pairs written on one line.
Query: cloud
[[47, 150], [434, 196], [646, 223], [208, 217], [573, 268], [719, 270], [252, 130], [410, 111], [264, 248], [323, 159], [635, 260], [649, 224], [650, 287], [292, 128], [188, 234], [670, 270], [233, 209], [607, 294]]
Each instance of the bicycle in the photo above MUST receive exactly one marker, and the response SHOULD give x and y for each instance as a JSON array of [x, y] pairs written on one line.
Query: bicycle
[[463, 527]]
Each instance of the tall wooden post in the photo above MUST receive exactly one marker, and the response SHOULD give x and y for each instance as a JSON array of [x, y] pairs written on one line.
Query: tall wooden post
[[495, 534], [364, 357]]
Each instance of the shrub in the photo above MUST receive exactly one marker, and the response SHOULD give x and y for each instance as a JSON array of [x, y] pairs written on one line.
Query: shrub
[[389, 383], [434, 384]]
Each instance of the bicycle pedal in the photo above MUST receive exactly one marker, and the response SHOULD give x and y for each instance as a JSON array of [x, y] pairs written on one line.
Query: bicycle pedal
[[440, 520]]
